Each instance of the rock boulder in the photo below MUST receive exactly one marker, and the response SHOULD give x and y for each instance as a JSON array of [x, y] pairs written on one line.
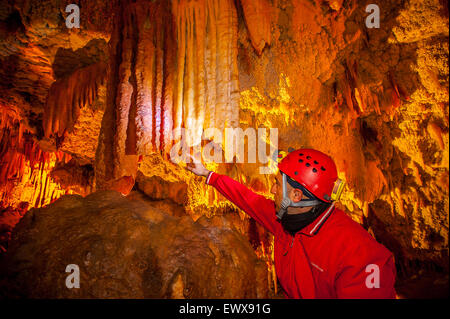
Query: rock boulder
[[126, 249]]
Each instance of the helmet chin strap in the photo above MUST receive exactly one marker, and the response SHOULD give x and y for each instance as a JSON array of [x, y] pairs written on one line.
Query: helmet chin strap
[[287, 202]]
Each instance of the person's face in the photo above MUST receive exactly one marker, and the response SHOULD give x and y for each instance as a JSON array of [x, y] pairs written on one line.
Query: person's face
[[277, 190]]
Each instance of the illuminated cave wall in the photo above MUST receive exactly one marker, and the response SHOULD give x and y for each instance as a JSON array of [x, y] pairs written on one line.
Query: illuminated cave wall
[[45, 70], [375, 99]]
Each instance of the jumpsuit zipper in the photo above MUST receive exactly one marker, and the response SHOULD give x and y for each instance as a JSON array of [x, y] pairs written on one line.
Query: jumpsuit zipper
[[290, 246]]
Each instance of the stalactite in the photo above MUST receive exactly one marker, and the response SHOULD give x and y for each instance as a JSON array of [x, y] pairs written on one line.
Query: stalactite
[[173, 66], [258, 18], [138, 115], [67, 96], [361, 99], [24, 167], [207, 88], [25, 181], [152, 68]]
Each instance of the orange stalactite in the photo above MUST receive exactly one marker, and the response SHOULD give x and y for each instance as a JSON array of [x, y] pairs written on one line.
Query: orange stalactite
[[32, 176], [173, 67], [207, 87], [25, 180], [67, 96], [258, 18], [25, 168]]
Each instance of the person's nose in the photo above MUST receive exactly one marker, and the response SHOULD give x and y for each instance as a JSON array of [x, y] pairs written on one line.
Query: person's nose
[[273, 190]]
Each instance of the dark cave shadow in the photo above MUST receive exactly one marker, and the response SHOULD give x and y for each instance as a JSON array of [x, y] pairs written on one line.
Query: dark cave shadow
[[67, 61], [10, 27], [416, 279]]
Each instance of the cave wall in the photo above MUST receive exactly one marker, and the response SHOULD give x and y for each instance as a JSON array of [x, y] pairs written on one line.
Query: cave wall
[[376, 100]]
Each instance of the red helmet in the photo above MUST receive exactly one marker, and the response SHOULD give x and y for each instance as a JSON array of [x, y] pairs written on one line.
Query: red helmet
[[314, 170]]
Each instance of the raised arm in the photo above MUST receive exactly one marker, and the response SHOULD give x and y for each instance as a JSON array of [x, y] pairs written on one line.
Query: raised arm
[[257, 206]]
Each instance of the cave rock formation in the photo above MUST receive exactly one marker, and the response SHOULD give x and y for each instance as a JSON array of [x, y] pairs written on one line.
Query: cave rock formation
[[127, 249]]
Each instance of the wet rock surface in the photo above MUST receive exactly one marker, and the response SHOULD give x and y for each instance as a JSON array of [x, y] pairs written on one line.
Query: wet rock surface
[[126, 249]]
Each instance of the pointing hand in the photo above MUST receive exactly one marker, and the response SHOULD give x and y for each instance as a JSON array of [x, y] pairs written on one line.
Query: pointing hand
[[196, 166]]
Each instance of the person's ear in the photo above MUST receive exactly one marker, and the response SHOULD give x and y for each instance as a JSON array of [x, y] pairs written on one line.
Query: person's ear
[[296, 195]]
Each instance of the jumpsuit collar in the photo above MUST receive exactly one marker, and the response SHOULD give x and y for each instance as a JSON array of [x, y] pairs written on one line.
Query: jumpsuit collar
[[313, 228]]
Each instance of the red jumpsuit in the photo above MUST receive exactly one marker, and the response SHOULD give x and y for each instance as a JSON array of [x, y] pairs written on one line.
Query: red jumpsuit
[[333, 257]]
